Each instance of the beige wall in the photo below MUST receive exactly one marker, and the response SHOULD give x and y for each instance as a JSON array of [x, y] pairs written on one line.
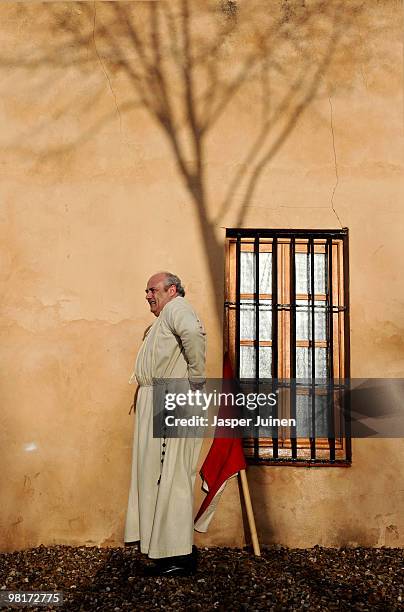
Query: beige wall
[[81, 230]]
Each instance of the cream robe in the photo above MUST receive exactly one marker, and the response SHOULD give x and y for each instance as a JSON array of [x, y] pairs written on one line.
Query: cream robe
[[161, 516]]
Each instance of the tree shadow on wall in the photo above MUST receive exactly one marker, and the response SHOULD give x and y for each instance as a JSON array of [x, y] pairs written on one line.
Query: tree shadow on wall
[[186, 63]]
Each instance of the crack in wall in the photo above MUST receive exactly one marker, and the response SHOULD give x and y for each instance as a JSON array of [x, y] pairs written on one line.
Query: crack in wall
[[105, 70], [335, 163]]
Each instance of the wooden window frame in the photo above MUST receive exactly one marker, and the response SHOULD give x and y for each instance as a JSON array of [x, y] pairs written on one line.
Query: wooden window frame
[[286, 450]]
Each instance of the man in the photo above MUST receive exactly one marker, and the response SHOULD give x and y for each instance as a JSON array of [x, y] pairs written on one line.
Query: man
[[160, 508]]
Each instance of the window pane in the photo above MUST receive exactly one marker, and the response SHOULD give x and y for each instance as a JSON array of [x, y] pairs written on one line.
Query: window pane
[[247, 320], [303, 358], [265, 272], [304, 416], [247, 268], [321, 362], [265, 361], [303, 320], [303, 271], [247, 362], [265, 320], [303, 362]]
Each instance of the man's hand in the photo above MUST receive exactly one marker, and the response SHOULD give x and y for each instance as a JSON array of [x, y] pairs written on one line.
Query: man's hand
[[197, 385]]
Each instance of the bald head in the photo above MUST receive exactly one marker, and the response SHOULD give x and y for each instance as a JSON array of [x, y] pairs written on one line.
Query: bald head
[[161, 288]]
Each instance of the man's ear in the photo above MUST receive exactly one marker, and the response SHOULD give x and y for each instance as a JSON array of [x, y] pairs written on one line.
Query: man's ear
[[172, 290]]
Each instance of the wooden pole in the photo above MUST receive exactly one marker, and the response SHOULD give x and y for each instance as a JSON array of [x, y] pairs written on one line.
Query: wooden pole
[[250, 513]]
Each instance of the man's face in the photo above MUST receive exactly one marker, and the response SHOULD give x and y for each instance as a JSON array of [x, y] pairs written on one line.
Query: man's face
[[156, 294]]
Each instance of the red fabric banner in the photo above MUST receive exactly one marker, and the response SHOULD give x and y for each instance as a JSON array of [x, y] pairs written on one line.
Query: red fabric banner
[[224, 459]]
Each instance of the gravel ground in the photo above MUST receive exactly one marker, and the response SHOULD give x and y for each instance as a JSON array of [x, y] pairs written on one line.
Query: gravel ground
[[227, 579]]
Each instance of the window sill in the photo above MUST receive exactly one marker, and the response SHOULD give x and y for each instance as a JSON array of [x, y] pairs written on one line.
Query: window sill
[[316, 463]]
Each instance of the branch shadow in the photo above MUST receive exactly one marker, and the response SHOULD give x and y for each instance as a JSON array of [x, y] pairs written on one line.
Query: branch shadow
[[186, 75]]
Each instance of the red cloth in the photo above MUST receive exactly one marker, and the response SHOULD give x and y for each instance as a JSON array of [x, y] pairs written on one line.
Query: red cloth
[[224, 459]]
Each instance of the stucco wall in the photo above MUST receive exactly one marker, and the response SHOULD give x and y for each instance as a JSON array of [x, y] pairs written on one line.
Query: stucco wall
[[81, 231]]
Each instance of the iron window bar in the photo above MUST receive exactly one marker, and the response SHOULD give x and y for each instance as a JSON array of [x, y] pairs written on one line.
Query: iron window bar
[[285, 233]]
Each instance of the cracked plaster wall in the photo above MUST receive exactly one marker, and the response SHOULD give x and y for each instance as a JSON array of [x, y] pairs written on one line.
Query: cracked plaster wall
[[81, 233]]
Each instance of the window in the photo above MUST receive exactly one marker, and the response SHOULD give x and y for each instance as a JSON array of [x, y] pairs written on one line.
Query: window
[[287, 318]]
